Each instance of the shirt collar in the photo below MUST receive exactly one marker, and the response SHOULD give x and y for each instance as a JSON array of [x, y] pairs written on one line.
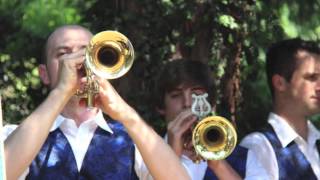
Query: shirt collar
[[314, 133], [287, 134], [283, 130], [97, 120]]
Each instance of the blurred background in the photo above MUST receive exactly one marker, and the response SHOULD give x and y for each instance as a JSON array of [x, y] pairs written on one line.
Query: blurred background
[[231, 36]]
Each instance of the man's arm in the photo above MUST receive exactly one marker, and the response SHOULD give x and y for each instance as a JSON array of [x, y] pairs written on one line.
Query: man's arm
[[223, 170], [24, 143], [157, 155], [2, 160]]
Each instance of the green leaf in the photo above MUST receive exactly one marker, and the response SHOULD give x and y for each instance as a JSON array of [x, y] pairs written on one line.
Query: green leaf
[[228, 21]]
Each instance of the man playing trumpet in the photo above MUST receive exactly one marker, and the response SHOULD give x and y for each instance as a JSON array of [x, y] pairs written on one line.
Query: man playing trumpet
[[175, 85], [63, 139]]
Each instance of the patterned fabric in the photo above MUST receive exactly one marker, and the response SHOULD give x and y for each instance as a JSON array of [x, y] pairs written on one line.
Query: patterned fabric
[[237, 160], [109, 156], [291, 161]]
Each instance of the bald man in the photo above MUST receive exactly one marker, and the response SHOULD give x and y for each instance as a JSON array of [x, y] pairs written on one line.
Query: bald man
[[67, 140]]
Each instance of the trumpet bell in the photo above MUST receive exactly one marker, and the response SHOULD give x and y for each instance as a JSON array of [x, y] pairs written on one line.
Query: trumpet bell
[[109, 55], [214, 138]]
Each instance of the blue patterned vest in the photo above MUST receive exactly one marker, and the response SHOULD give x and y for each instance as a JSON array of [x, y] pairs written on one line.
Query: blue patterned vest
[[237, 160], [109, 156], [291, 161]]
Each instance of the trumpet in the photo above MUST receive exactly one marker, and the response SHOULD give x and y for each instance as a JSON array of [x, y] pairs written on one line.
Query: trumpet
[[109, 55], [213, 137]]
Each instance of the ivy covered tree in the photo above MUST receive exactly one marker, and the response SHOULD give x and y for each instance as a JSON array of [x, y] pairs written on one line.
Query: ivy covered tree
[[24, 26]]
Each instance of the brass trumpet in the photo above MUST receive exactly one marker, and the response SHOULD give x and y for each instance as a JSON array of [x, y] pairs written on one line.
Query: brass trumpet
[[214, 137], [109, 55]]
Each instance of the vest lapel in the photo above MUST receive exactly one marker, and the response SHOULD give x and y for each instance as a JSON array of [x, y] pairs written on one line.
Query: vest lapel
[[55, 159], [110, 156], [291, 161], [318, 146]]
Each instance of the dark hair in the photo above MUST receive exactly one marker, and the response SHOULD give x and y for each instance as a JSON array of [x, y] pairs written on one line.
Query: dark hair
[[182, 71], [282, 57]]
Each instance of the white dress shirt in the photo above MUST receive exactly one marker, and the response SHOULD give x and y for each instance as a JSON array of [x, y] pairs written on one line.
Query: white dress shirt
[[265, 154], [80, 137], [254, 170]]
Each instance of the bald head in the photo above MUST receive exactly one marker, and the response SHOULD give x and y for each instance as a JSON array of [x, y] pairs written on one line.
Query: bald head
[[67, 31], [65, 42]]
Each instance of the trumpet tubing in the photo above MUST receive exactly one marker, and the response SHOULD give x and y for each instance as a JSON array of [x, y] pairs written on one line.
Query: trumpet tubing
[[214, 138]]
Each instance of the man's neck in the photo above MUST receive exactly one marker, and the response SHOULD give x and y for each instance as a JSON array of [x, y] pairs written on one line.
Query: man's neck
[[79, 113], [298, 122]]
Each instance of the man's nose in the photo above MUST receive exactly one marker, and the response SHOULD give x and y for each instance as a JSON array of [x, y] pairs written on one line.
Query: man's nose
[[318, 89], [187, 101]]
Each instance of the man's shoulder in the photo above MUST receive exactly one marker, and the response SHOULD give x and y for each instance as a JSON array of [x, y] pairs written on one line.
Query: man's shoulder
[[252, 139], [117, 128], [258, 135]]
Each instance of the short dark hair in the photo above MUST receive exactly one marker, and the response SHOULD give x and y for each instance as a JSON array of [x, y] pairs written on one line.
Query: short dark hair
[[282, 59], [182, 71]]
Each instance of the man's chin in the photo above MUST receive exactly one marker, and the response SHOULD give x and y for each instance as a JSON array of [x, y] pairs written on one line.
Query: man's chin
[[314, 110]]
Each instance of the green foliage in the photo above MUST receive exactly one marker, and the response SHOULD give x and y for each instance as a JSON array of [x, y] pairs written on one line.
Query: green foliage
[[24, 25], [289, 27], [298, 18], [42, 16], [228, 21]]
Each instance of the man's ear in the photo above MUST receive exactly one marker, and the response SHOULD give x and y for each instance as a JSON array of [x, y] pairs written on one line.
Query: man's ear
[[279, 83], [43, 73]]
